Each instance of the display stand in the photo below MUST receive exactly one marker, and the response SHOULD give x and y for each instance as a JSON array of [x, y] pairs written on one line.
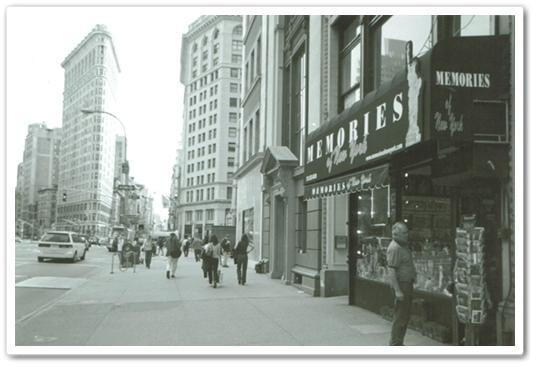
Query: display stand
[[469, 277]]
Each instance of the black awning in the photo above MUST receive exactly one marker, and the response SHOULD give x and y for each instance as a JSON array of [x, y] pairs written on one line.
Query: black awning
[[369, 179]]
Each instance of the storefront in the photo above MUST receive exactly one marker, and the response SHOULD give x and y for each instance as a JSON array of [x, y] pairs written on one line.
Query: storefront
[[430, 148]]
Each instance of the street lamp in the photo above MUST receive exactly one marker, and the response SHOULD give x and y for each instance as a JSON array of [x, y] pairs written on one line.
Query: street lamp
[[87, 111]]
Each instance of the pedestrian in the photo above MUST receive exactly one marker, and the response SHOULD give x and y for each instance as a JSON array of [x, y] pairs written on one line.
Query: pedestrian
[[197, 246], [136, 247], [173, 254], [226, 249], [148, 249], [212, 254], [160, 246], [186, 245], [402, 275], [241, 251], [120, 246]]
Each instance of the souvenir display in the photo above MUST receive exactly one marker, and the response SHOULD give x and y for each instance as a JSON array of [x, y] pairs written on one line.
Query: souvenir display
[[428, 218], [470, 283]]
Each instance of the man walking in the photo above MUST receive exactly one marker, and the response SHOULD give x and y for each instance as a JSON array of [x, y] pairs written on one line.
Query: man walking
[[402, 275], [173, 254], [148, 249]]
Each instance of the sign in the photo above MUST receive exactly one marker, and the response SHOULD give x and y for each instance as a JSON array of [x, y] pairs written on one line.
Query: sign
[[470, 79], [126, 187], [340, 242], [383, 123], [359, 181]]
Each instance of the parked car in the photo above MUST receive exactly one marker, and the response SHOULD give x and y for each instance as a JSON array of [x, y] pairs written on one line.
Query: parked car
[[61, 245]]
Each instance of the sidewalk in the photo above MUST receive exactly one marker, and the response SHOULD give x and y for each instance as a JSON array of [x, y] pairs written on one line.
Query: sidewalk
[[145, 308]]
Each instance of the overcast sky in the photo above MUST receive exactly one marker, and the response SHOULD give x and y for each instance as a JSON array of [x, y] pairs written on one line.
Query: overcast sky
[[147, 41]]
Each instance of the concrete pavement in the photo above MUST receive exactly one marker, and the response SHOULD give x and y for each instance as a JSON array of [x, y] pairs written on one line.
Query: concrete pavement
[[145, 308]]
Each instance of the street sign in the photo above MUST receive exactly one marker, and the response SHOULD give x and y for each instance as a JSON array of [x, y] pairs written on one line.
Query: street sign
[[126, 187]]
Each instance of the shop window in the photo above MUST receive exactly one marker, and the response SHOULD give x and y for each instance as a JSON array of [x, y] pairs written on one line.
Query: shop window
[[391, 36], [349, 62]]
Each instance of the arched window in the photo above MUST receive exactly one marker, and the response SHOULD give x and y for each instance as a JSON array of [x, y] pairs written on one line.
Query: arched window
[[194, 47], [205, 41], [237, 30], [215, 34]]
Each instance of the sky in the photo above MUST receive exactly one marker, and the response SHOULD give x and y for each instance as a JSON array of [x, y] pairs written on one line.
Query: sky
[[147, 42]]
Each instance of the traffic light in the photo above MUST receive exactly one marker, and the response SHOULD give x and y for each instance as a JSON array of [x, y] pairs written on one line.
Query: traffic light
[[64, 197]]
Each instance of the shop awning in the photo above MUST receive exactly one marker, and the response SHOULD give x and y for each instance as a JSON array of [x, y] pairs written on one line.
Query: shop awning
[[376, 177]]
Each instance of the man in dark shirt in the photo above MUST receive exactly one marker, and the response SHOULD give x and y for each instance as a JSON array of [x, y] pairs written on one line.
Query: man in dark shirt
[[402, 275]]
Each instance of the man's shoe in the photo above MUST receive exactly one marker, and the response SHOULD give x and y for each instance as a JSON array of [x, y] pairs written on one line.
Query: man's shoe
[[173, 276], [167, 274]]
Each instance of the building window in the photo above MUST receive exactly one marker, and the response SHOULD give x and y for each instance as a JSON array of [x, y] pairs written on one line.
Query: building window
[[232, 147], [257, 132], [234, 87], [258, 68], [210, 214], [476, 25], [237, 31], [233, 102], [236, 59], [236, 46], [232, 132], [229, 193], [302, 225], [198, 215], [233, 117], [391, 37], [349, 62], [230, 161], [296, 107], [188, 215], [216, 34], [235, 73], [216, 48]]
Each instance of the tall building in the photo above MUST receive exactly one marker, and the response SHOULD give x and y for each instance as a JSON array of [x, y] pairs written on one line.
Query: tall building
[[211, 62], [87, 168], [174, 218], [19, 225], [260, 64], [38, 170], [46, 208], [120, 178]]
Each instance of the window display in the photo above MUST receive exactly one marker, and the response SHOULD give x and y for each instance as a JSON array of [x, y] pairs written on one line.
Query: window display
[[428, 218], [429, 221]]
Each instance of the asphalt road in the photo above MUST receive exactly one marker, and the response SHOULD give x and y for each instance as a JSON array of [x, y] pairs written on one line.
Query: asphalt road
[[39, 285]]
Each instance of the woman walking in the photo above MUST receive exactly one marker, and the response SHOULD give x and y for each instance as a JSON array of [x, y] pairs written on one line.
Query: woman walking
[[241, 251], [213, 253]]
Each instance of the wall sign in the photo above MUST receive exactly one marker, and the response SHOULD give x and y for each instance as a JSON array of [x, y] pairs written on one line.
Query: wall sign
[[384, 122], [470, 75]]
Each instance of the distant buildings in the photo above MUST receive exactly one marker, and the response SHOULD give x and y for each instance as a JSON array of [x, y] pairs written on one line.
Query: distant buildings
[[211, 64], [88, 154], [38, 170]]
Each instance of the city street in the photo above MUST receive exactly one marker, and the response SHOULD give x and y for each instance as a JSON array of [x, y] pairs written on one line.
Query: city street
[[82, 304]]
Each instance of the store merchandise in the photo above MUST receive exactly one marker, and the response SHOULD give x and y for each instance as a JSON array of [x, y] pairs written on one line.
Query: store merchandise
[[471, 294]]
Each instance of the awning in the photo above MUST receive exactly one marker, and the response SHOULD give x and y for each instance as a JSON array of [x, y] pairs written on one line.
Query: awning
[[373, 178]]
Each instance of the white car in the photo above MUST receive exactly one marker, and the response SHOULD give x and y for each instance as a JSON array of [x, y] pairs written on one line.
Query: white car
[[61, 245]]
